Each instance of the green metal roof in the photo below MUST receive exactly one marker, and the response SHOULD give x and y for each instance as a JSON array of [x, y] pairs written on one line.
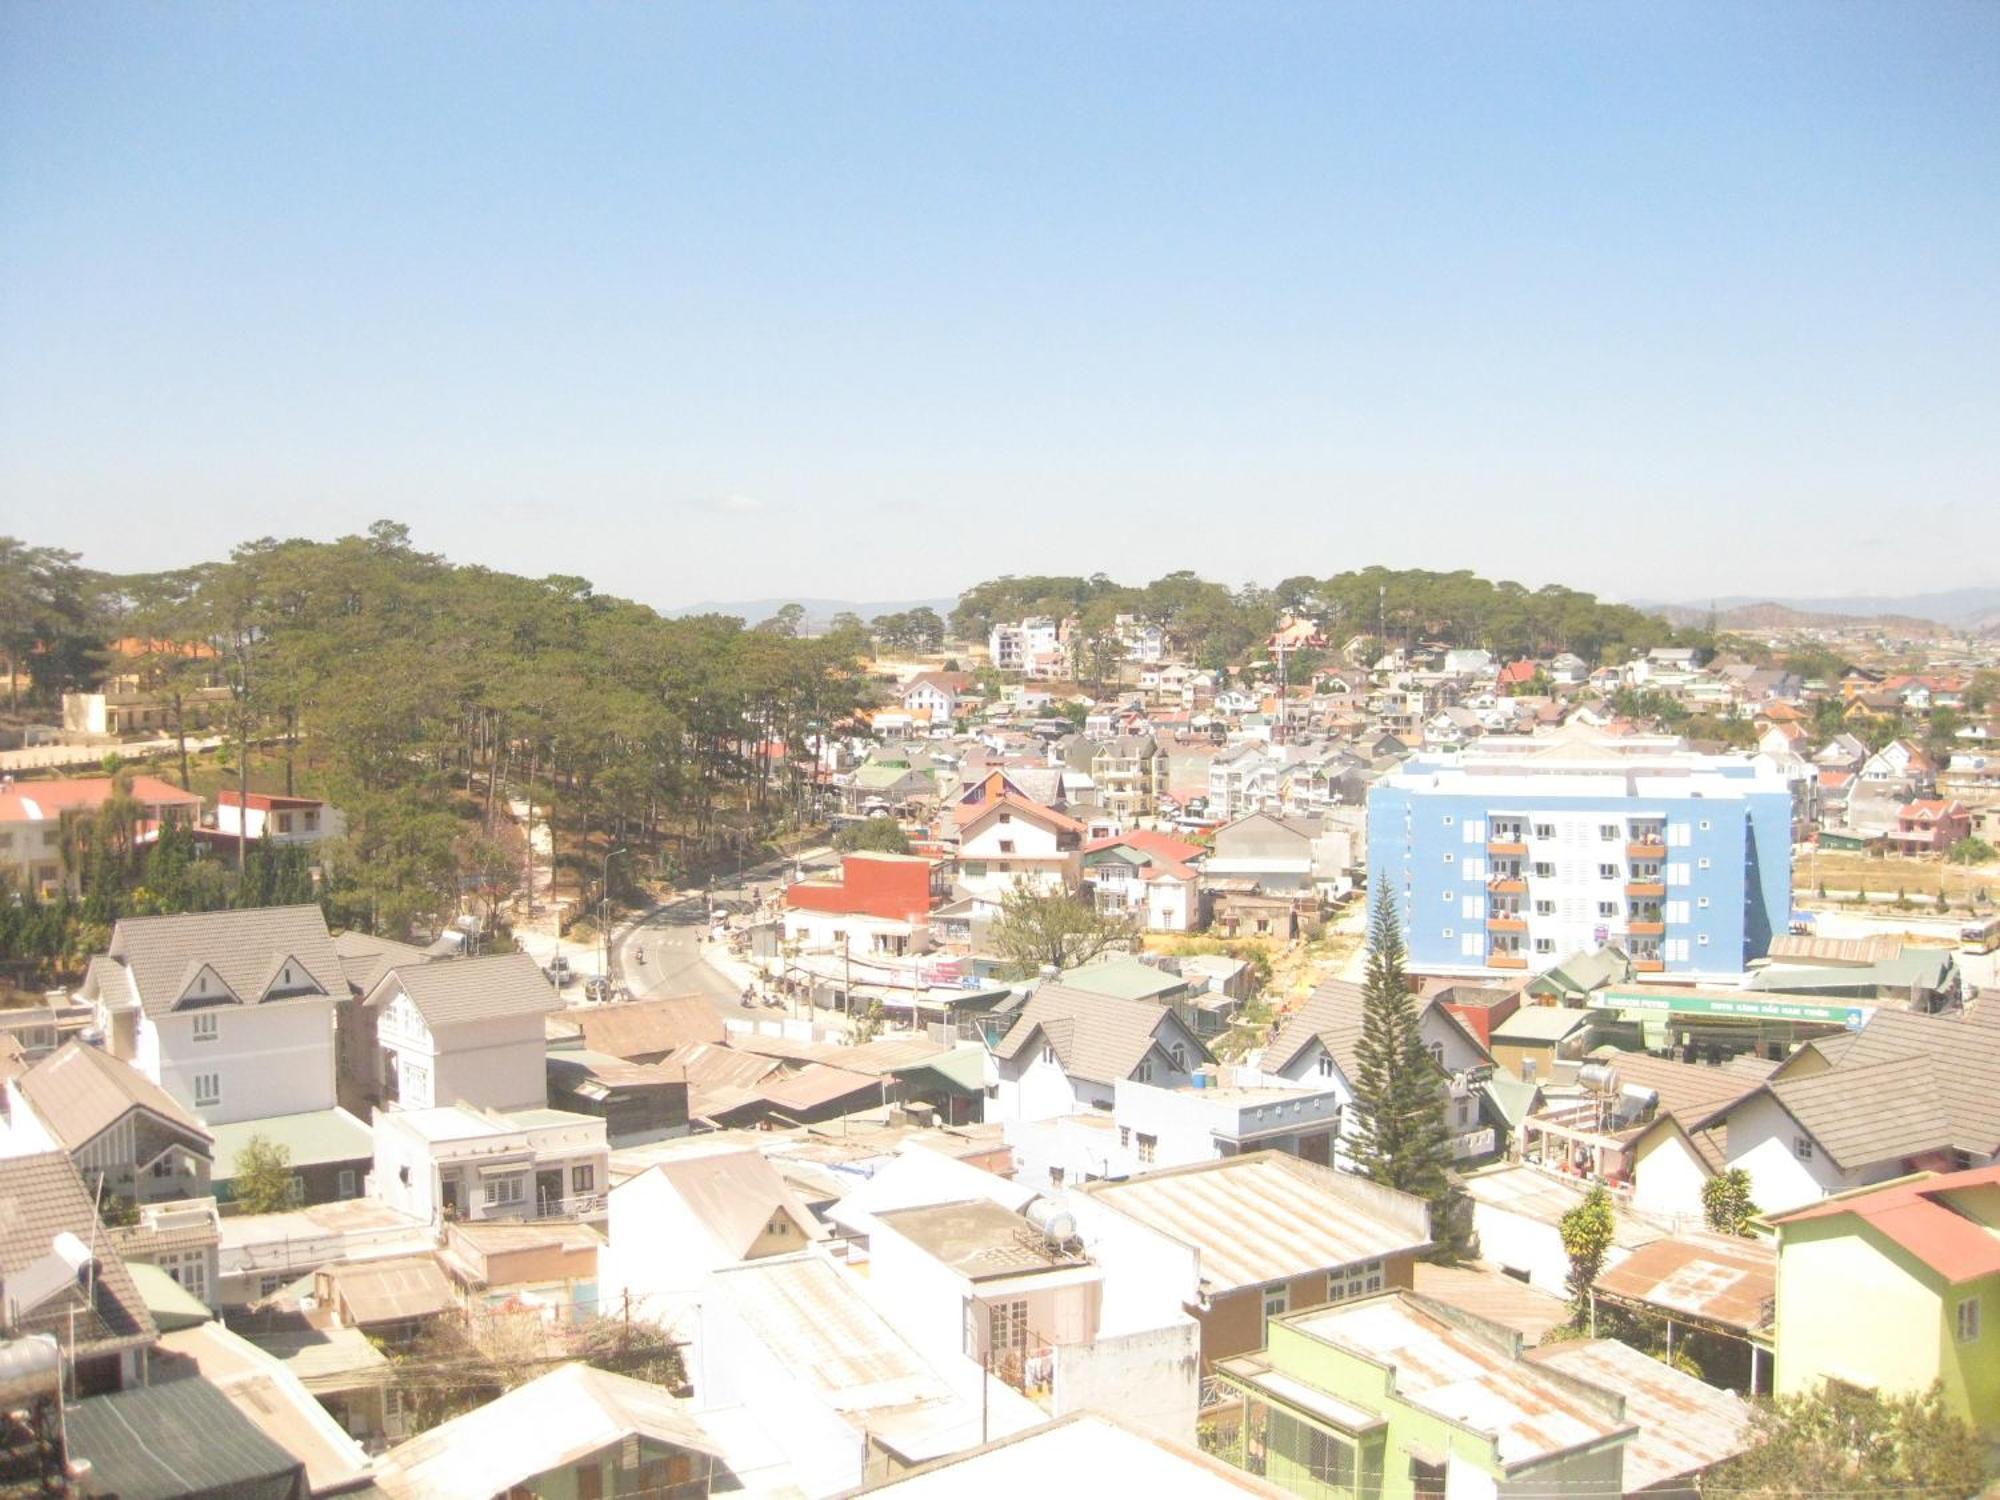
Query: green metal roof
[[171, 1305], [182, 1440], [314, 1139], [962, 1067], [1124, 979], [1540, 1023]]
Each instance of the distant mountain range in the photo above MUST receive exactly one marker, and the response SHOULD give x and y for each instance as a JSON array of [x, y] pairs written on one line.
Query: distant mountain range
[[819, 612], [1963, 609]]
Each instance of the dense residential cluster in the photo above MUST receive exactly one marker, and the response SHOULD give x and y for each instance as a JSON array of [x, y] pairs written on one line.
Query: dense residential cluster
[[1355, 1063]]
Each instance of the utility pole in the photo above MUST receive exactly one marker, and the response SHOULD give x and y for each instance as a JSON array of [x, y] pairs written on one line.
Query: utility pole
[[604, 912]]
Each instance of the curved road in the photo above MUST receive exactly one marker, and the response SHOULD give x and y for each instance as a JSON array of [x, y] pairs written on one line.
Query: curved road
[[671, 934]]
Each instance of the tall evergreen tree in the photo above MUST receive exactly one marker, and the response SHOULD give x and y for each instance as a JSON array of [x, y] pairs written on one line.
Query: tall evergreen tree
[[1404, 1138]]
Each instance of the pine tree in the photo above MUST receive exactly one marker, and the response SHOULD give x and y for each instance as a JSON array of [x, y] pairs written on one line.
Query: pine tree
[[1403, 1140]]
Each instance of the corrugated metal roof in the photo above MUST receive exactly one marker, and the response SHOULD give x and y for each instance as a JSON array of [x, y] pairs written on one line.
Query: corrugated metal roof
[[1441, 1368], [547, 1425], [1728, 1281], [179, 1441], [1957, 1239], [315, 1138], [1266, 1216], [1686, 1426], [391, 1291]]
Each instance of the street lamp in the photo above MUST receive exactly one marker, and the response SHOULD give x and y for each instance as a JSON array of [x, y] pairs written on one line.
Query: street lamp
[[604, 913]]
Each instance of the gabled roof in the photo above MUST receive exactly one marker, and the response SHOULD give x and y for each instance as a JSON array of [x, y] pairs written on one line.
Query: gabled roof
[[70, 1289], [1331, 1016], [545, 1426], [365, 958], [1096, 1037], [1034, 812], [80, 1092], [1948, 1222], [735, 1195], [1861, 1115], [162, 954], [470, 989]]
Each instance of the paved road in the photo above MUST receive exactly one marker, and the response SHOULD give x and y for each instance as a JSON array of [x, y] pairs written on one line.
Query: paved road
[[671, 934]]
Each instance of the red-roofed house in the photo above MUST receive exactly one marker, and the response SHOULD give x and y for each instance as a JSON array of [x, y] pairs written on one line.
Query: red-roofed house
[[283, 820], [32, 815], [1914, 1269], [880, 904], [1516, 674], [1010, 841], [1930, 826]]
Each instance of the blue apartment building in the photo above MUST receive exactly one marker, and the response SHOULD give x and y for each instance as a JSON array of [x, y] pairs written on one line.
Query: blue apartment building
[[1514, 860]]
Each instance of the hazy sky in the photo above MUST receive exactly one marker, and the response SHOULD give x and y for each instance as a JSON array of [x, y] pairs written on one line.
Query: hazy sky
[[874, 300]]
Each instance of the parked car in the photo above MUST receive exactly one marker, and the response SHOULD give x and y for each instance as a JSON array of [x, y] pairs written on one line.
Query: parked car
[[597, 988]]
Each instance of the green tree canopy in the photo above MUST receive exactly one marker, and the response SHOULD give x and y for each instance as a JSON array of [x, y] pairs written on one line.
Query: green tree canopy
[[263, 1183], [1403, 1139], [1057, 929]]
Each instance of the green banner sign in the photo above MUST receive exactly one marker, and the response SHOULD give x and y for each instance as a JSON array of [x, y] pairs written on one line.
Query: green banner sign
[[1748, 1008]]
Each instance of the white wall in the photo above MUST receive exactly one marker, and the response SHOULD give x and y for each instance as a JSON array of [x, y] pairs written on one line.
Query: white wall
[[1761, 1136], [660, 1251], [401, 1153], [1032, 1089], [1668, 1179], [1149, 1279], [276, 1058], [1518, 1242], [1150, 1379], [499, 1063]]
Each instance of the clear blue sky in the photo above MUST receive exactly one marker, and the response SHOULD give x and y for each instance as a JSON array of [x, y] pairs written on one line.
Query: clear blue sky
[[873, 300]]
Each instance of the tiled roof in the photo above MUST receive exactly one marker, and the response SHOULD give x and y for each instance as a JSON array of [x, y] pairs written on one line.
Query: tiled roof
[[47, 801], [1331, 1016], [1095, 1037], [365, 958], [1861, 1115], [161, 954], [471, 989], [1034, 812], [80, 1092], [43, 1196], [1957, 1240]]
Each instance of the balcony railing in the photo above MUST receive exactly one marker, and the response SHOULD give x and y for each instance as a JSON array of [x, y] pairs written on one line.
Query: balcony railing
[[1646, 927], [1515, 847], [1645, 849], [1469, 1143], [1507, 922], [1654, 888], [1649, 966], [1507, 960], [1507, 885]]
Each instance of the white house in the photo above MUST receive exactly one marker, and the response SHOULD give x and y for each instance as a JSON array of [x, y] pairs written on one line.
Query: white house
[[465, 1163], [468, 1031], [1010, 842], [682, 1219], [231, 1012], [1069, 1050], [1316, 1045], [282, 820], [939, 694]]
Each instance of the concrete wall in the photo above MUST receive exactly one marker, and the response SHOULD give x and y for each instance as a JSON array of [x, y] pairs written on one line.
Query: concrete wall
[[1149, 1379], [1668, 1178], [276, 1058], [493, 1064]]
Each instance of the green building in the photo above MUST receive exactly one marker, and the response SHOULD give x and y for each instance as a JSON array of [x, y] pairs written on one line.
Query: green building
[[1399, 1396], [1927, 1252]]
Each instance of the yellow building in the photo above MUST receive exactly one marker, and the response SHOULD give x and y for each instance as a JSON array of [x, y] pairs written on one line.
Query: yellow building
[[1891, 1288]]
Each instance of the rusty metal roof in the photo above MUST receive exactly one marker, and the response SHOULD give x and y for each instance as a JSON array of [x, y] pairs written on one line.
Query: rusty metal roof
[[1480, 1383], [1730, 1282], [391, 1291], [1686, 1426]]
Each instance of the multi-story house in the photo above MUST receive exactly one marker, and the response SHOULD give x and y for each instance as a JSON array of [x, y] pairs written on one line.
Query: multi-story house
[[469, 1031], [1034, 647], [938, 694], [879, 904], [1130, 773], [1504, 860], [1069, 1050], [1927, 1252], [1012, 842], [1243, 779], [466, 1163], [130, 1138], [33, 814], [1146, 875], [231, 1012]]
